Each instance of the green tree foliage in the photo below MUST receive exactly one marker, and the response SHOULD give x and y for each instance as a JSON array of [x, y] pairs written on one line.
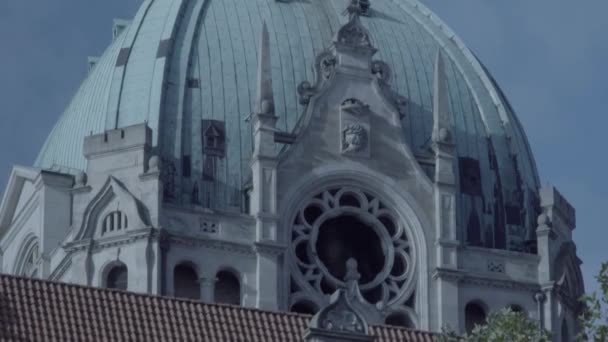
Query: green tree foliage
[[505, 325], [594, 318]]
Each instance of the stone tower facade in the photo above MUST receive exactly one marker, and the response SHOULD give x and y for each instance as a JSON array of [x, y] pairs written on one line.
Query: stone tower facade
[[440, 238]]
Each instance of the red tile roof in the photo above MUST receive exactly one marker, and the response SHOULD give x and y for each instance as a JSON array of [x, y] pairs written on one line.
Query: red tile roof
[[40, 310]]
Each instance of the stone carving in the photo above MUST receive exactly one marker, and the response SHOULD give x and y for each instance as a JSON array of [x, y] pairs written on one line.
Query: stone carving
[[324, 67], [361, 7], [382, 71], [342, 320], [316, 276], [341, 315], [208, 227], [354, 138], [496, 266], [355, 107], [354, 34]]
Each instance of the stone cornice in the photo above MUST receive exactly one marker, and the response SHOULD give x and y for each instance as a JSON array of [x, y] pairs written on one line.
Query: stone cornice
[[211, 243], [81, 189], [221, 214], [501, 253], [269, 248], [113, 241], [502, 282]]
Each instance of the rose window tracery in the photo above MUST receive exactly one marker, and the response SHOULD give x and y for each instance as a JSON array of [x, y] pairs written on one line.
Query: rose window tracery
[[341, 223]]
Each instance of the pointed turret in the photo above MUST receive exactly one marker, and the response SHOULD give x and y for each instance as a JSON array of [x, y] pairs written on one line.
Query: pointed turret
[[442, 123], [265, 99]]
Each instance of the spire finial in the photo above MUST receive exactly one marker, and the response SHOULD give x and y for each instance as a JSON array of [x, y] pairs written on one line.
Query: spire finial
[[359, 7], [441, 116], [265, 100]]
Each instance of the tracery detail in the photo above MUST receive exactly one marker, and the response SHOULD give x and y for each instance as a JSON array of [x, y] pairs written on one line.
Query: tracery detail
[[342, 223]]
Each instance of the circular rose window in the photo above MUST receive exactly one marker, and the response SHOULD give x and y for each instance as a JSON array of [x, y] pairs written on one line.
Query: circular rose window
[[342, 223]]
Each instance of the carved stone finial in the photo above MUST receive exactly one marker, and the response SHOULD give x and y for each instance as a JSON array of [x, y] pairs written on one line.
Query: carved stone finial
[[354, 34], [359, 7], [265, 99], [352, 271], [442, 126]]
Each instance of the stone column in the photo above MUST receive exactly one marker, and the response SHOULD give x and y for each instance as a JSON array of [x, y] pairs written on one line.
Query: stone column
[[269, 260], [207, 286]]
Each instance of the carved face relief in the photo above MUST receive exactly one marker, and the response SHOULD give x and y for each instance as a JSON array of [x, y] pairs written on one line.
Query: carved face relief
[[354, 137], [355, 126]]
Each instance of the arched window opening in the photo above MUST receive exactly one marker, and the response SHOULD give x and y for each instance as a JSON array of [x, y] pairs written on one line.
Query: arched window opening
[[399, 319], [118, 277], [565, 331], [474, 314], [185, 282], [304, 307], [27, 265], [227, 288], [114, 221], [336, 244]]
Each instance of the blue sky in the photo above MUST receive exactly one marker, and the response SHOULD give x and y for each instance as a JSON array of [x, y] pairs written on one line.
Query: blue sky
[[549, 56]]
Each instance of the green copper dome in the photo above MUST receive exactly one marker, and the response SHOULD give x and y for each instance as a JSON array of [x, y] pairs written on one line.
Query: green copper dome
[[188, 69]]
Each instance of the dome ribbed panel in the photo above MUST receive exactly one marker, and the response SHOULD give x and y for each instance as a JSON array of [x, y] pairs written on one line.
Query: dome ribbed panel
[[140, 72], [85, 114]]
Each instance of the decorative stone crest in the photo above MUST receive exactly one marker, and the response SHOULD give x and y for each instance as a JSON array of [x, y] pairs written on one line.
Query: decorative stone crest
[[341, 316]]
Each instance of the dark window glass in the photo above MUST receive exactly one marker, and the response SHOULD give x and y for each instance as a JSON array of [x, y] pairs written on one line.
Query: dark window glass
[[185, 282], [474, 314], [118, 278], [227, 288]]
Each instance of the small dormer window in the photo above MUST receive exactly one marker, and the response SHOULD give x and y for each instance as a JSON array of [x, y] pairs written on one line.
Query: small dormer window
[[214, 138], [114, 221]]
